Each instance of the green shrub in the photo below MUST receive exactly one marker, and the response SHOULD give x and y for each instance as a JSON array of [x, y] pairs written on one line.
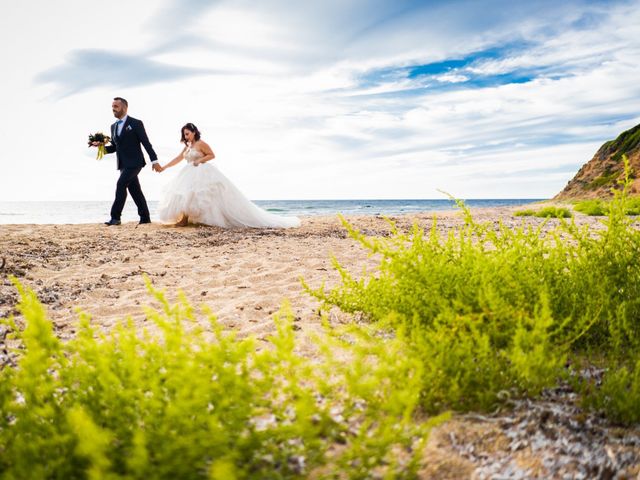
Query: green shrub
[[619, 394], [467, 367], [603, 180], [546, 212], [594, 207], [176, 401], [525, 213], [633, 206], [599, 207], [494, 314], [626, 141], [468, 304]]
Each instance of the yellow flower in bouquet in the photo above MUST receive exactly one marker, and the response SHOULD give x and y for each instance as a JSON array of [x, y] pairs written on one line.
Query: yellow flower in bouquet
[[102, 140]]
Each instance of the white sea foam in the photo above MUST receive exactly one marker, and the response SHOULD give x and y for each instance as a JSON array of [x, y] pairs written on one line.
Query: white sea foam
[[98, 211]]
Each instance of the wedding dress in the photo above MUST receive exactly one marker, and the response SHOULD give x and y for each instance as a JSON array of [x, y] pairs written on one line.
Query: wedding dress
[[204, 194]]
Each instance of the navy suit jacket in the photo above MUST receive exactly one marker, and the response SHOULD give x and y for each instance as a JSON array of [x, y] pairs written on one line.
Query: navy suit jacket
[[128, 145]]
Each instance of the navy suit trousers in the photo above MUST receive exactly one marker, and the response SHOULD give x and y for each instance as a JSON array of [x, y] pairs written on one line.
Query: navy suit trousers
[[129, 181]]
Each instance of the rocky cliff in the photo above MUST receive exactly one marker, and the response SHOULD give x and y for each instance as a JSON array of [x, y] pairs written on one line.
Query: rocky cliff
[[599, 175]]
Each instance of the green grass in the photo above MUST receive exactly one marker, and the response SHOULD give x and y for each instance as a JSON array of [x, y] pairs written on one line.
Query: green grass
[[546, 212], [626, 142], [603, 180], [496, 314], [177, 401], [593, 207], [599, 207]]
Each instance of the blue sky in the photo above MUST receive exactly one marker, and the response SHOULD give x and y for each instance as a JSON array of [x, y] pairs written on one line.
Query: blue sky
[[331, 99]]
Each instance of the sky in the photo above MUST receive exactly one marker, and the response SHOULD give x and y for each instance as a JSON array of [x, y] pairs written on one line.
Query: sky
[[324, 99]]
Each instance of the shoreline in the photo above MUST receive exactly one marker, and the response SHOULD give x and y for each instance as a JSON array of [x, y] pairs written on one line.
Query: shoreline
[[79, 213]]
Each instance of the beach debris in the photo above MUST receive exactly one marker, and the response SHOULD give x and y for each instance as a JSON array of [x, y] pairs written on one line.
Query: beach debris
[[7, 358], [551, 437]]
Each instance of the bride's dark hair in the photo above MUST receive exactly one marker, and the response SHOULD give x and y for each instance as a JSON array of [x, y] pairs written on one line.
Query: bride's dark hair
[[193, 129]]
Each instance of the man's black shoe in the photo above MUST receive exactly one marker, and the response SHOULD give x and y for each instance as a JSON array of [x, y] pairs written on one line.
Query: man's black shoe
[[113, 222], [144, 220]]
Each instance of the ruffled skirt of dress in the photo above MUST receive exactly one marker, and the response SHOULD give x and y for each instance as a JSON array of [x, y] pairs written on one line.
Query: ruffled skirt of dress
[[204, 194]]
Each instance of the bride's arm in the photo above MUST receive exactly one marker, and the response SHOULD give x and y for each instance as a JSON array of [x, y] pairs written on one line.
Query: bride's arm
[[206, 149], [176, 160]]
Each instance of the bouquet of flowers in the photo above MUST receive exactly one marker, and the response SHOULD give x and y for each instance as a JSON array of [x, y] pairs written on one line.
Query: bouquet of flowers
[[102, 140]]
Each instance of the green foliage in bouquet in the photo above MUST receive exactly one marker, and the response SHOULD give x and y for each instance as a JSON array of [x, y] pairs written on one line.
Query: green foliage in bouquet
[[180, 401], [496, 314], [101, 139]]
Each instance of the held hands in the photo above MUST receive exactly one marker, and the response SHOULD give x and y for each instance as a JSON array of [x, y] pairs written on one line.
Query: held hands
[[157, 167]]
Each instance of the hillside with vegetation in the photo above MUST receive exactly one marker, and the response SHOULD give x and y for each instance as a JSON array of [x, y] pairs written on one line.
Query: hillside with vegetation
[[597, 177]]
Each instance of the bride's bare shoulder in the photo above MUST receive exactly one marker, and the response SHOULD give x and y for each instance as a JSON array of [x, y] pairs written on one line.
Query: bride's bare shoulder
[[203, 146]]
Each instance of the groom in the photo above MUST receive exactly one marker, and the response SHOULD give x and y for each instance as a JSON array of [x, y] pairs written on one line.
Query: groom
[[127, 134]]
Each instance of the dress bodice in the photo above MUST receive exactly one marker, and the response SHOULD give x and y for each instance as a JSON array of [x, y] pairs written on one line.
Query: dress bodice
[[192, 154]]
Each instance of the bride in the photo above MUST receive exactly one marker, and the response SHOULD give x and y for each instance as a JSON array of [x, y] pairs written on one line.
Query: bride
[[200, 193]]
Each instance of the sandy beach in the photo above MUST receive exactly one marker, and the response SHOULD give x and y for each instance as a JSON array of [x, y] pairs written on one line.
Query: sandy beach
[[242, 275]]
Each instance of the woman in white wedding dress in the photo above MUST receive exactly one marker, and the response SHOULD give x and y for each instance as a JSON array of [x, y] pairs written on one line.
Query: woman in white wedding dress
[[200, 193]]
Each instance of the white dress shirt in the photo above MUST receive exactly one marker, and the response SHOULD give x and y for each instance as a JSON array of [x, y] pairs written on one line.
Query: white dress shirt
[[120, 126]]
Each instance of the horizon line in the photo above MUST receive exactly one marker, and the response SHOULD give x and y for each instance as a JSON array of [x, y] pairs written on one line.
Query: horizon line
[[306, 199]]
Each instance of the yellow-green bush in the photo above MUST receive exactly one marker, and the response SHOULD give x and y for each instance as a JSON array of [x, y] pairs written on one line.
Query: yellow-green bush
[[496, 313], [619, 394], [593, 207], [599, 207], [172, 402], [546, 212]]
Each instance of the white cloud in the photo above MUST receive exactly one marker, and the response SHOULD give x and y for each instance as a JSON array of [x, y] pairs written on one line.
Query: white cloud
[[288, 110]]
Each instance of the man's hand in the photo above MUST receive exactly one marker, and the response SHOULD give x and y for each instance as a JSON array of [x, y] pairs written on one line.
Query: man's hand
[[157, 168]]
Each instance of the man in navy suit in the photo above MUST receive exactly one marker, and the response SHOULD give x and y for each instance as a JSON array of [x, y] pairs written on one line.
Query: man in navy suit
[[127, 137]]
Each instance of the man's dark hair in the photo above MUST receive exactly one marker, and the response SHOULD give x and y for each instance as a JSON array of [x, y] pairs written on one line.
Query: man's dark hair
[[124, 102]]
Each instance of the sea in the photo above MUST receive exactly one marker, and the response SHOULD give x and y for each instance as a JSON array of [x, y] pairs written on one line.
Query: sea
[[73, 212]]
